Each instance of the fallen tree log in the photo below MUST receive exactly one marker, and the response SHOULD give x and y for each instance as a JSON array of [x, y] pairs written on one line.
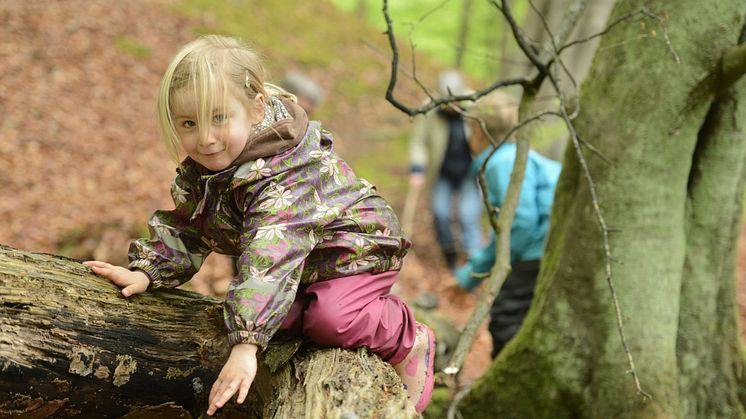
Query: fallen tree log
[[71, 346]]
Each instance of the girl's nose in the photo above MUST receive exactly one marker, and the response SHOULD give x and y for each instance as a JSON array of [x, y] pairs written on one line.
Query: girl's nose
[[207, 139]]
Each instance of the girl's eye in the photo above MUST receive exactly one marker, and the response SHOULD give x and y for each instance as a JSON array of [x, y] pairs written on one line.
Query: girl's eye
[[220, 118], [188, 124]]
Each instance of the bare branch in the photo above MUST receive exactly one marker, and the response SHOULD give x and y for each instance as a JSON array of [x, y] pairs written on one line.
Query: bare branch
[[434, 103], [431, 11], [667, 40], [394, 61], [529, 50], [607, 251], [453, 412], [569, 21], [594, 150]]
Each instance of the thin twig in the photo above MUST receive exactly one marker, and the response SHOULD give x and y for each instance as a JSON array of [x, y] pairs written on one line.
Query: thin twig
[[551, 41], [594, 150], [453, 412], [432, 11], [569, 22], [605, 234], [667, 40], [414, 70], [606, 30], [529, 50], [433, 103], [607, 254]]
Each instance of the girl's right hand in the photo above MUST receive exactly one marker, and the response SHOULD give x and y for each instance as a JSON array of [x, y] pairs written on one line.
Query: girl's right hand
[[134, 282], [237, 375]]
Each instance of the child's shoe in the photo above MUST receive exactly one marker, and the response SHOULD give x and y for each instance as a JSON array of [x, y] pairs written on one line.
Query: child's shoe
[[416, 370]]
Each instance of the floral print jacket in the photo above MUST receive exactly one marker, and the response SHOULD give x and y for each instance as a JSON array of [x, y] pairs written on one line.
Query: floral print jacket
[[297, 217]]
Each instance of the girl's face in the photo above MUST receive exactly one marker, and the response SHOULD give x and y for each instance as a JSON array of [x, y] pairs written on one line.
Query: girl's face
[[227, 133]]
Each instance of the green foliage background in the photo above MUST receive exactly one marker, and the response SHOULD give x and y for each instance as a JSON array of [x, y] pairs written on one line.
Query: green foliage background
[[433, 27]]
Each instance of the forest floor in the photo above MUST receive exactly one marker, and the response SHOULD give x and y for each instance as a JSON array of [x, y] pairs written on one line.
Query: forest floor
[[80, 167]]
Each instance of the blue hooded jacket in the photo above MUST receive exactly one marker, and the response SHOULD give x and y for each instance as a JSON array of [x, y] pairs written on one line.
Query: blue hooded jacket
[[531, 221]]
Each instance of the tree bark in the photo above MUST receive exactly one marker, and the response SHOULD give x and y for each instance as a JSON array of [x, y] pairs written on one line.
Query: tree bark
[[71, 346], [674, 192]]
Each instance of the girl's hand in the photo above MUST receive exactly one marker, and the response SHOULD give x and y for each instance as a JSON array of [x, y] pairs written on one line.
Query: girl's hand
[[134, 282], [237, 375]]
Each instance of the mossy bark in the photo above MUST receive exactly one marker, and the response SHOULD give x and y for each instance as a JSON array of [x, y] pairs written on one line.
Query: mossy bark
[[674, 191], [71, 346]]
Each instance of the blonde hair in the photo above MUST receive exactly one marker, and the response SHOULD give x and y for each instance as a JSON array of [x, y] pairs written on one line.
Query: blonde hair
[[499, 113], [213, 66]]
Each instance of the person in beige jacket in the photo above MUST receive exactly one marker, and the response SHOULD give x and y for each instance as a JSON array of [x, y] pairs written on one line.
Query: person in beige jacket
[[440, 159]]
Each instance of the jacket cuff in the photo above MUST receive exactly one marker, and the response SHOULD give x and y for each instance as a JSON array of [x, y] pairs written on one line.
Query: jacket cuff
[[151, 271], [466, 278], [416, 168], [244, 336]]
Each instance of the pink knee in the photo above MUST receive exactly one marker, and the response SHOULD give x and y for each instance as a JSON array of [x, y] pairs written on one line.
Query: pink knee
[[325, 324], [356, 311]]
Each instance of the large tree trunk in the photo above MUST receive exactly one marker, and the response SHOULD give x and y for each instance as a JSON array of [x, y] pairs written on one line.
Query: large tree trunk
[[71, 346], [674, 191]]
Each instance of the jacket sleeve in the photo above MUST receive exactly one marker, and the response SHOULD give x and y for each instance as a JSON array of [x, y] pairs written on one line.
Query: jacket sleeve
[[418, 144], [174, 252], [281, 227], [479, 263], [497, 176]]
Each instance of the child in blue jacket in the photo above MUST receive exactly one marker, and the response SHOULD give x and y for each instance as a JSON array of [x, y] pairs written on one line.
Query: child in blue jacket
[[530, 224]]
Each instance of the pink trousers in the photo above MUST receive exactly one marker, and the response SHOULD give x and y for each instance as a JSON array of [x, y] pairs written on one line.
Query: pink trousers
[[354, 311]]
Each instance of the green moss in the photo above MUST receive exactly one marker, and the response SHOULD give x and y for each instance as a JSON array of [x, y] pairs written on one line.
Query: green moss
[[438, 407], [520, 385]]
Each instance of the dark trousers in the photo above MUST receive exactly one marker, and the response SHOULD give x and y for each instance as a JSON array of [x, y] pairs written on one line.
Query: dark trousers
[[512, 303]]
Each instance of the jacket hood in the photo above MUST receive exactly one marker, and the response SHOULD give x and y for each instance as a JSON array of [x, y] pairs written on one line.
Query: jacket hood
[[287, 130]]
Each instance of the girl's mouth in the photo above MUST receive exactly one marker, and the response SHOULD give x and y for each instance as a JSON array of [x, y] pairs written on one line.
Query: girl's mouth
[[212, 153]]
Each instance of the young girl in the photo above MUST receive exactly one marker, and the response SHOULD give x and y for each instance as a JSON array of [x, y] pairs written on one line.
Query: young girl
[[318, 249]]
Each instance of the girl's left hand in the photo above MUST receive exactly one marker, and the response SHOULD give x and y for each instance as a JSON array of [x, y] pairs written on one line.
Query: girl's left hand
[[237, 375], [134, 282]]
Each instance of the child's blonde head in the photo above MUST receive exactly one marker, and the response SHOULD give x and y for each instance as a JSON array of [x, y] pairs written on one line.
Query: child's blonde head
[[499, 114], [213, 67]]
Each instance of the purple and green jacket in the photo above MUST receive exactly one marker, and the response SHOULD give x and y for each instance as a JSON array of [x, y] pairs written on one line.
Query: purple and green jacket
[[291, 211]]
